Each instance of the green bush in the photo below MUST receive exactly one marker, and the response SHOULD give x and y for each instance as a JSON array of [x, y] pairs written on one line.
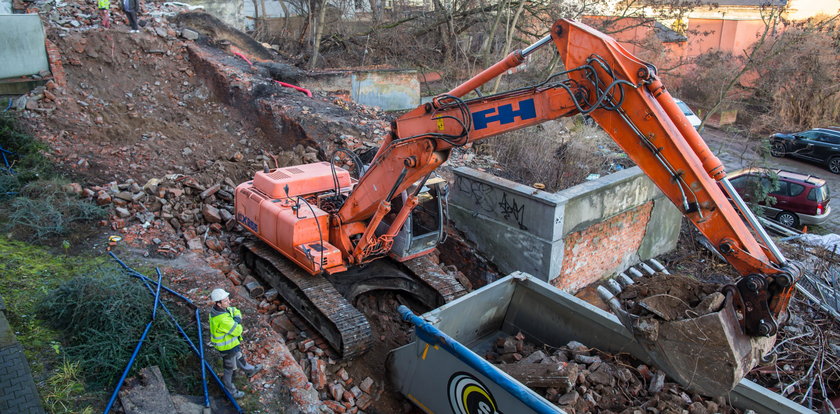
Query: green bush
[[43, 209], [102, 317]]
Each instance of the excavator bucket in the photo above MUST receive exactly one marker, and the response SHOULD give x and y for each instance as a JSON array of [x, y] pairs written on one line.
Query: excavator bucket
[[690, 333]]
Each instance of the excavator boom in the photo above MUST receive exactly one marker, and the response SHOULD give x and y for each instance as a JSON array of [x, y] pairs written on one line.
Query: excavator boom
[[327, 222]]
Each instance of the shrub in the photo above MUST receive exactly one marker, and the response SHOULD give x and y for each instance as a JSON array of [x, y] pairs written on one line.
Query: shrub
[[553, 155], [39, 206], [45, 209], [103, 315]]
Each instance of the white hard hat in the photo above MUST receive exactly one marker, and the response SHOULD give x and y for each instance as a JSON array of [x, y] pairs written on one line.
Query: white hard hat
[[218, 294]]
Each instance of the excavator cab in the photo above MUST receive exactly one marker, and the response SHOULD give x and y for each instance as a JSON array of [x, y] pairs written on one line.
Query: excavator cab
[[424, 228]]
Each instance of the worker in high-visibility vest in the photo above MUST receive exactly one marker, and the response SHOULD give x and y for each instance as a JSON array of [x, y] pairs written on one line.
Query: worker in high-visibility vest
[[104, 13], [226, 337]]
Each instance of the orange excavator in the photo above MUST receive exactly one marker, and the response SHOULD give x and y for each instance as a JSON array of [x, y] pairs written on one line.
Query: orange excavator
[[330, 227]]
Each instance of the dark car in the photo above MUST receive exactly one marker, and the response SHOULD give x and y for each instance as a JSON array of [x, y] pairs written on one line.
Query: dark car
[[821, 145], [795, 198]]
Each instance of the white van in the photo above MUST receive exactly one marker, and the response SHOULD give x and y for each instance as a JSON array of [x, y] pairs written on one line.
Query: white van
[[692, 118]]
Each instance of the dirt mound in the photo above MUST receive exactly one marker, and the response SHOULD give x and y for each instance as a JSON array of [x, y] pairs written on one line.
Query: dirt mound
[[134, 108]]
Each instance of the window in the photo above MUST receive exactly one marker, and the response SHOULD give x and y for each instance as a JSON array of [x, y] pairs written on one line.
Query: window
[[685, 109], [830, 138], [819, 194], [808, 135], [741, 182], [795, 189], [781, 187]]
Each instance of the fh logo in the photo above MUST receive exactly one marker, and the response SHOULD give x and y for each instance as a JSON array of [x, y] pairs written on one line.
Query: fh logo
[[504, 114], [467, 395]]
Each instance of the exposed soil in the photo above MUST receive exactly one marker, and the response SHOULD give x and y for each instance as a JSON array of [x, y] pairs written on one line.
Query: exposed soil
[[136, 110]]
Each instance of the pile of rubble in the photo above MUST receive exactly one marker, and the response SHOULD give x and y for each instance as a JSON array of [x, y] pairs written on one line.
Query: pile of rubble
[[579, 379]]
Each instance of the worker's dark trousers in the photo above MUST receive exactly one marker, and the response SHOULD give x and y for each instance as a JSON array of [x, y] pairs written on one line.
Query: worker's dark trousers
[[231, 362], [132, 19]]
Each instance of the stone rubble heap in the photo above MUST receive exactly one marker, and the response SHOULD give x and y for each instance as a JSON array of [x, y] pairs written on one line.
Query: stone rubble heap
[[580, 379]]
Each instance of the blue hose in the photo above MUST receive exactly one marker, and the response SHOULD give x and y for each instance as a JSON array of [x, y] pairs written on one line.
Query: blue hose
[[434, 336], [9, 106], [3, 152], [195, 350], [136, 348], [139, 275], [201, 351]]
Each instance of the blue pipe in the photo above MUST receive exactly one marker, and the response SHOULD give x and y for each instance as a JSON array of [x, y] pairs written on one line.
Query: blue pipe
[[157, 293], [434, 336], [195, 350], [139, 275], [201, 351], [137, 348]]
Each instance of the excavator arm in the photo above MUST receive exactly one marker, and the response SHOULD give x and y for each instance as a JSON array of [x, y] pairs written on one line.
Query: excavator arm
[[626, 98]]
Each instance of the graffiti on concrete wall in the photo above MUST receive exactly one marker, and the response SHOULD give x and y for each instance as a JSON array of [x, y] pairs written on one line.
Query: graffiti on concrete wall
[[514, 210], [484, 197]]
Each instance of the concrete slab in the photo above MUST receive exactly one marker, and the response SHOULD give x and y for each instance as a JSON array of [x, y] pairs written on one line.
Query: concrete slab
[[22, 49]]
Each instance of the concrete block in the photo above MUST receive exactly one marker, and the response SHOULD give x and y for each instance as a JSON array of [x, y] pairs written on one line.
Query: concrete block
[[22, 48], [600, 227], [189, 34]]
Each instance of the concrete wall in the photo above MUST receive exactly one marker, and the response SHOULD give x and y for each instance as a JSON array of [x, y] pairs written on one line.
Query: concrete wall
[[571, 238], [391, 90], [22, 50], [230, 12]]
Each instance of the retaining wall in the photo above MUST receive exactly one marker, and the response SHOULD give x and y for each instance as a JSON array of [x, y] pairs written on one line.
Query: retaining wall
[[570, 238]]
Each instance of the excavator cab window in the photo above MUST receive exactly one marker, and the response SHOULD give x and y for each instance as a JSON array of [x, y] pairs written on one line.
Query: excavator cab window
[[425, 218]]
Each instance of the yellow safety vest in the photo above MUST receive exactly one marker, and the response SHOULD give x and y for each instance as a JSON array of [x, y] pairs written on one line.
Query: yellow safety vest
[[225, 328], [104, 4]]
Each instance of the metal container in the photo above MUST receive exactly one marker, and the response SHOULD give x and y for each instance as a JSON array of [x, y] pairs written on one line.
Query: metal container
[[442, 370]]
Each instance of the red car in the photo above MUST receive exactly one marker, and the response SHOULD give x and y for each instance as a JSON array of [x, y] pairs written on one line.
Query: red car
[[799, 198]]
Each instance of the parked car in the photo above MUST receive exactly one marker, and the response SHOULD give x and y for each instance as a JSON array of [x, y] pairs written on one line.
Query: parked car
[[821, 145], [799, 198], [692, 118]]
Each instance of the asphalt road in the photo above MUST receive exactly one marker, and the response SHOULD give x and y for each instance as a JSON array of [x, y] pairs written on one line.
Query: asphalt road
[[737, 152]]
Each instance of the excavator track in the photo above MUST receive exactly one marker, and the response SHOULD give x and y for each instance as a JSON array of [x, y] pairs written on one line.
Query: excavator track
[[445, 284], [313, 297]]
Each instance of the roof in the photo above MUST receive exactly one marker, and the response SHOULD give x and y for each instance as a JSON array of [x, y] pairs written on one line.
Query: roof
[[787, 175]]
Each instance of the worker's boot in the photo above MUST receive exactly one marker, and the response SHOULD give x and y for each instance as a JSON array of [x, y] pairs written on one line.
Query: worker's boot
[[227, 379], [249, 369]]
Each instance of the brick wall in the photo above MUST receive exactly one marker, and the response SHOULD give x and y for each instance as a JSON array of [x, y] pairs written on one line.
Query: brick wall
[[602, 248], [56, 65]]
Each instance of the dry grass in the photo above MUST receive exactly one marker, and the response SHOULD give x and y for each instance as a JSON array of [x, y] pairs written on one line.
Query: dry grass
[[558, 154]]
